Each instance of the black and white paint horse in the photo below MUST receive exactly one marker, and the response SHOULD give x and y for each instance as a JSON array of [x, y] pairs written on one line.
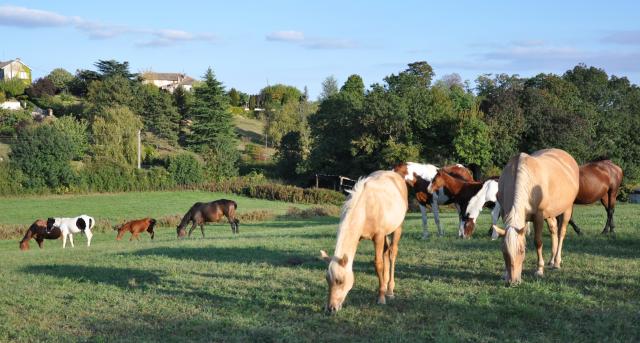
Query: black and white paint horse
[[71, 226]]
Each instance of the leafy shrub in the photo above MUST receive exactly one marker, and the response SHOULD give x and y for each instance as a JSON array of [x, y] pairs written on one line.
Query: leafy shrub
[[13, 87], [105, 175], [10, 179], [41, 87], [185, 169]]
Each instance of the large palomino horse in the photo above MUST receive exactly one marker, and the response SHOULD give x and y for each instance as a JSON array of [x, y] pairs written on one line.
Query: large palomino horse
[[375, 209], [466, 194], [136, 227], [201, 213], [537, 187], [599, 180], [71, 226], [427, 172], [40, 230]]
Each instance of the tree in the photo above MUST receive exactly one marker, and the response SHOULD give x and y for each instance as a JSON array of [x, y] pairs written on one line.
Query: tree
[[329, 88], [418, 75], [41, 87], [110, 68], [158, 113], [212, 129], [79, 86], [113, 91], [234, 97], [114, 132], [76, 132], [61, 79], [43, 154], [473, 142]]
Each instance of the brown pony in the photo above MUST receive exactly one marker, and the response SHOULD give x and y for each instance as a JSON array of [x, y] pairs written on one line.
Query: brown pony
[[599, 180], [40, 230], [459, 192], [375, 209], [537, 187], [201, 213], [136, 227]]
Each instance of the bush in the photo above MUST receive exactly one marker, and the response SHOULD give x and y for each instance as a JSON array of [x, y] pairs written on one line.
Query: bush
[[10, 179], [10, 121], [185, 169], [13, 87], [104, 175]]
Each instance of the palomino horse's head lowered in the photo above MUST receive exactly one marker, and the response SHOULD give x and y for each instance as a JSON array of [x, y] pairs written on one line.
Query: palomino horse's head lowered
[[340, 279], [513, 249]]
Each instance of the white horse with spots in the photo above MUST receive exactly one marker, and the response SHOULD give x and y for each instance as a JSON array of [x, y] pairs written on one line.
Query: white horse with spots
[[427, 172], [488, 193], [71, 226]]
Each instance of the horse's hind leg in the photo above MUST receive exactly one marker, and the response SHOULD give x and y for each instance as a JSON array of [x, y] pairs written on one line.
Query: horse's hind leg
[[611, 210], [393, 253], [436, 214], [40, 242], [381, 249], [552, 223], [563, 231], [607, 206], [71, 240], [237, 223], [202, 229]]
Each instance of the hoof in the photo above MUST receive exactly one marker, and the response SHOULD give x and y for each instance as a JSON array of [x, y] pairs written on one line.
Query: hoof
[[382, 301], [391, 296], [539, 273]]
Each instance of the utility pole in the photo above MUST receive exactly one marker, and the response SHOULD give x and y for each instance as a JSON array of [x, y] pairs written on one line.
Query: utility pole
[[139, 149]]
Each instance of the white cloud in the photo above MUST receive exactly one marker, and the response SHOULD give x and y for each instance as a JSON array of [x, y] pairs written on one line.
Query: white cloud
[[623, 37], [286, 36], [318, 43], [26, 17], [32, 18]]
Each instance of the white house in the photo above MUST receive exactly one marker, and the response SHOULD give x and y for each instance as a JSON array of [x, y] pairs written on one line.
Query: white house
[[168, 81], [15, 69]]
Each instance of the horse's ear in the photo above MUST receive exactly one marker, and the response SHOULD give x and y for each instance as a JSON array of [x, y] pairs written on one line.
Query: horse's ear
[[324, 256], [497, 232], [343, 261]]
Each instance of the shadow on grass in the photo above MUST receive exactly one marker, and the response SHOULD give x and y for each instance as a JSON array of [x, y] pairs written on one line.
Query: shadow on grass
[[126, 278], [257, 255]]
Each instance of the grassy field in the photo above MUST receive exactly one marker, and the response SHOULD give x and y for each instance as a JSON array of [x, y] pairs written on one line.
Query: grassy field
[[267, 284]]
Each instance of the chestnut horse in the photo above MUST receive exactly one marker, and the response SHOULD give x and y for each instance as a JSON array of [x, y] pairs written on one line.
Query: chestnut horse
[[427, 172], [375, 209], [136, 227], [599, 180], [201, 213], [463, 193], [537, 187], [40, 230]]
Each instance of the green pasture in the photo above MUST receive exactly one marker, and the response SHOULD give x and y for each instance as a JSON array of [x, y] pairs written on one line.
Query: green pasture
[[267, 284]]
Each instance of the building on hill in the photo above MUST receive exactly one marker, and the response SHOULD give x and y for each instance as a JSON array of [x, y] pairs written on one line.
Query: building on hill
[[168, 81], [15, 69]]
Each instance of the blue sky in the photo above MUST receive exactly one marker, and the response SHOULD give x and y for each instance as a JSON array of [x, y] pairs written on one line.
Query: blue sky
[[252, 43]]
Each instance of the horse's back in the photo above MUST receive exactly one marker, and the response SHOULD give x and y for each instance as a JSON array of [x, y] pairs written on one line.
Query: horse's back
[[557, 178], [385, 200]]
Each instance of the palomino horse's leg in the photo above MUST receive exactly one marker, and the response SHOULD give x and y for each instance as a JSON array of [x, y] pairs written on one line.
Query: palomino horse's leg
[[379, 245], [552, 223], [436, 214], [538, 223], [561, 234], [393, 254], [425, 231]]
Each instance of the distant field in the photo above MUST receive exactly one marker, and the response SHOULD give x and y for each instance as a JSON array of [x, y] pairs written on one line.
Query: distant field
[[116, 206], [267, 283]]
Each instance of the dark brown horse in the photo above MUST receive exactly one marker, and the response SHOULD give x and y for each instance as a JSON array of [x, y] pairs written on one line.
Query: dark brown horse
[[599, 180], [136, 227], [201, 213], [40, 230]]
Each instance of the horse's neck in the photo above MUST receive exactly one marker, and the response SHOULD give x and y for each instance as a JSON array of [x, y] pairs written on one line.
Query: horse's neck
[[453, 185], [477, 201], [349, 234]]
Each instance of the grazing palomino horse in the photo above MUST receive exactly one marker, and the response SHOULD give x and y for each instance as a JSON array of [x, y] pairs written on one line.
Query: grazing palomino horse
[[537, 187], [465, 194], [71, 226], [136, 227], [201, 213], [599, 180], [40, 230], [375, 209], [427, 172]]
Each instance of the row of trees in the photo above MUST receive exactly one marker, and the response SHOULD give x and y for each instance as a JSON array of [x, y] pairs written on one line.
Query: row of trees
[[409, 117]]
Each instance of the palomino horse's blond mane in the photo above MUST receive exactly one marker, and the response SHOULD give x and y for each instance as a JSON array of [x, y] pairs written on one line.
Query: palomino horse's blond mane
[[515, 216]]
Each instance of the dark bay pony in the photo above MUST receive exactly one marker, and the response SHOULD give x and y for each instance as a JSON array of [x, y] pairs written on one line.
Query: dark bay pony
[[206, 212], [136, 227], [599, 180], [40, 230]]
